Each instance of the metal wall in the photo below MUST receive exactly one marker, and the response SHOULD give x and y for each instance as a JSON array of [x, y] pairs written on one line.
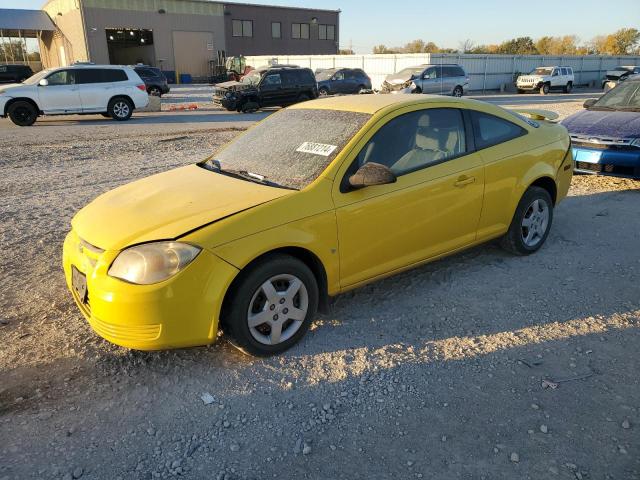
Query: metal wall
[[486, 72]]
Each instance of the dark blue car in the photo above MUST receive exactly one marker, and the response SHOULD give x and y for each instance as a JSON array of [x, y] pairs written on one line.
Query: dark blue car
[[342, 80], [606, 135]]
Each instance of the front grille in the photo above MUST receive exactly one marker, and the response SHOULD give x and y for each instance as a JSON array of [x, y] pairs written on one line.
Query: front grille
[[126, 333]]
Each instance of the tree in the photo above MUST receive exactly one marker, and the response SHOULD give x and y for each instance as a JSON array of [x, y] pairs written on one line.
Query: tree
[[383, 49], [622, 42], [518, 46], [347, 51], [466, 46]]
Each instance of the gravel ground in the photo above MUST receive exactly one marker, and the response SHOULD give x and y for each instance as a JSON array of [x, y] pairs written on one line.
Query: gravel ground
[[439, 372]]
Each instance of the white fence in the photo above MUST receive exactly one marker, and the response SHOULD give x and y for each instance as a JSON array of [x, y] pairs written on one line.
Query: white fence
[[486, 72]]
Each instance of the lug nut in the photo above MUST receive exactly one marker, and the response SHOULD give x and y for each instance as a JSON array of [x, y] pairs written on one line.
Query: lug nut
[[282, 300], [275, 317]]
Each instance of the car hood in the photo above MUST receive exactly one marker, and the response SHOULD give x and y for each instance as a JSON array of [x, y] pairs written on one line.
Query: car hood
[[395, 78], [600, 123], [8, 88], [233, 86], [166, 206]]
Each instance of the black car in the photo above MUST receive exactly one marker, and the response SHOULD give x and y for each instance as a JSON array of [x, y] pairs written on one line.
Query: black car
[[275, 86], [14, 73], [342, 80], [154, 79]]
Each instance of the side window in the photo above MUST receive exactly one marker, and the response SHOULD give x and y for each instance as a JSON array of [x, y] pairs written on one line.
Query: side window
[[458, 72], [272, 79], [114, 75], [349, 75], [416, 140], [290, 77], [62, 77], [490, 130], [430, 73], [555, 72], [89, 75], [339, 75], [565, 71]]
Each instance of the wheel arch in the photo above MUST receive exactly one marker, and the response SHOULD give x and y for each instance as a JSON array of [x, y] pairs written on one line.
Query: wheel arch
[[302, 254], [548, 184], [121, 95], [21, 99]]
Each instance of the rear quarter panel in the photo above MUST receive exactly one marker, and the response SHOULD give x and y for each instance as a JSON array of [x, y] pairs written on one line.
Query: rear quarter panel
[[511, 167]]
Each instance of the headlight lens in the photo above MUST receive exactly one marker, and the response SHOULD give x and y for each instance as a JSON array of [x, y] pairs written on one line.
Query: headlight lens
[[152, 262]]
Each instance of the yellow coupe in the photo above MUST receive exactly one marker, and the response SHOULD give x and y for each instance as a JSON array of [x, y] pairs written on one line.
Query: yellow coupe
[[317, 199]]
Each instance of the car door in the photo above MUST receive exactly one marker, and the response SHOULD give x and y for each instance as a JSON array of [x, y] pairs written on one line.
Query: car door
[[431, 81], [271, 90], [433, 207], [556, 77], [92, 88], [448, 79], [338, 82], [61, 95]]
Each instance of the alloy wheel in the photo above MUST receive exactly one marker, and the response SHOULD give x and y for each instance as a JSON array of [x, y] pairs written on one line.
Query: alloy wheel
[[277, 309], [121, 109], [535, 223]]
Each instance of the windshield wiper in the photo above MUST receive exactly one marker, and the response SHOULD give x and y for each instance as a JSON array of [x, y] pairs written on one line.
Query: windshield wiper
[[214, 166], [601, 107]]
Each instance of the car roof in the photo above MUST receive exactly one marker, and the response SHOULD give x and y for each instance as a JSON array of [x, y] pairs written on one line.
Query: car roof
[[373, 103], [90, 65]]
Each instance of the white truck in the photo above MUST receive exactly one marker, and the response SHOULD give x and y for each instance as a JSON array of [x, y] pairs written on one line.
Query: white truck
[[545, 79]]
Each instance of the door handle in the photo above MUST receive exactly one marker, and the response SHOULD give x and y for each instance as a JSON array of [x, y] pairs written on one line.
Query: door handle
[[464, 180]]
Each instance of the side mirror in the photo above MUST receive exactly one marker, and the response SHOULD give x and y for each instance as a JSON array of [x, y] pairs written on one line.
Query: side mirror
[[371, 174], [589, 102], [44, 82]]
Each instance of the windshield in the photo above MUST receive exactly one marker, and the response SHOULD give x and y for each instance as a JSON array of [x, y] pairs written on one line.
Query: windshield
[[626, 96], [409, 72], [325, 74], [252, 78], [34, 79], [291, 148], [542, 71]]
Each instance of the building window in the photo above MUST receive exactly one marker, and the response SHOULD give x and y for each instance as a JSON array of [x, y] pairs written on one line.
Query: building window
[[300, 30], [326, 32], [242, 28], [275, 30]]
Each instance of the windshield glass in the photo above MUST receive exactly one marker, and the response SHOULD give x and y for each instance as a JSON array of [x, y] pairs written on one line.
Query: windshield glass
[[292, 147], [409, 72], [325, 74], [34, 79], [542, 71], [252, 78], [626, 96]]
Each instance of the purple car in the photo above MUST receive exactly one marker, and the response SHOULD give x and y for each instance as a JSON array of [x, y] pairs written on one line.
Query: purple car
[[606, 135]]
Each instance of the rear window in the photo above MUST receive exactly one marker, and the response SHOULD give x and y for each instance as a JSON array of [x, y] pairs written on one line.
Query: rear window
[[452, 71]]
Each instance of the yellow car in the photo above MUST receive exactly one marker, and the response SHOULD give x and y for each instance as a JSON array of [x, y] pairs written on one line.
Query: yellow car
[[317, 199]]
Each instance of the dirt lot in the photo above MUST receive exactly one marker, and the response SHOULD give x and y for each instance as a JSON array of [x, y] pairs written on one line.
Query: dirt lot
[[435, 373]]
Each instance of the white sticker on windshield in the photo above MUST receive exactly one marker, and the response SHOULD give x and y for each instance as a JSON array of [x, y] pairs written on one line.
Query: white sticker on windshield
[[316, 148]]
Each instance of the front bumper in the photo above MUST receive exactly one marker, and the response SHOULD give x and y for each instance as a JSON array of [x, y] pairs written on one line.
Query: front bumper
[[529, 86], [613, 162], [3, 104], [179, 312]]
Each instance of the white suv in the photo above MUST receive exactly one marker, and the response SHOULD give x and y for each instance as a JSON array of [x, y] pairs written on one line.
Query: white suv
[[113, 91], [545, 79]]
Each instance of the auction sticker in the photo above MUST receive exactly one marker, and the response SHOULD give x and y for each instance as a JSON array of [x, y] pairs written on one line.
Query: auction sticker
[[317, 148]]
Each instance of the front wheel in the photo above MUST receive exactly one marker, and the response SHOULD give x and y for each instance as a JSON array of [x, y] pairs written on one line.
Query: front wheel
[[544, 89], [323, 92], [271, 306], [120, 109], [531, 222], [458, 91], [23, 114]]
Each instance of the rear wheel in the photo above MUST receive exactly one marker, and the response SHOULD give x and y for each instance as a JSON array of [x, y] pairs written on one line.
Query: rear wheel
[[120, 109], [155, 91], [458, 91], [568, 87], [272, 305], [531, 222], [544, 89], [323, 91], [23, 114]]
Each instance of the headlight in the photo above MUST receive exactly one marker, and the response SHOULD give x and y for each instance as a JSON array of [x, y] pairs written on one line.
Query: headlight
[[152, 262], [635, 142]]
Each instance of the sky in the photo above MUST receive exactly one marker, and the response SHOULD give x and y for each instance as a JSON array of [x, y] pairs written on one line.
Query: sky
[[364, 24]]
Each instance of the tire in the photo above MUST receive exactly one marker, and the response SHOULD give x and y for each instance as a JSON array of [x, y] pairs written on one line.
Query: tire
[[154, 91], [120, 109], [303, 97], [535, 209], [458, 91], [417, 90], [323, 92], [544, 89], [249, 304], [22, 113], [361, 88], [520, 91], [568, 87]]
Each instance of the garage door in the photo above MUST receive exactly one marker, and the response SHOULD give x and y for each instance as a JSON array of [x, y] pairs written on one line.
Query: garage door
[[192, 52]]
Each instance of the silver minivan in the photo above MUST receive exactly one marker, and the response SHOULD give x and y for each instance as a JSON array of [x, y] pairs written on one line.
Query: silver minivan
[[445, 79]]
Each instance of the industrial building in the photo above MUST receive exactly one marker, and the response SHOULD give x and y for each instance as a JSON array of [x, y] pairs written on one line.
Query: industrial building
[[177, 35]]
